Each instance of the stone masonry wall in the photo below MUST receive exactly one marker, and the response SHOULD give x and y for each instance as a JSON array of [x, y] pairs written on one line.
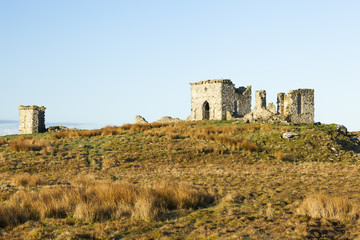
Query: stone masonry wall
[[206, 91], [260, 99], [31, 119], [222, 97], [244, 101], [280, 103], [229, 101], [299, 106], [224, 101]]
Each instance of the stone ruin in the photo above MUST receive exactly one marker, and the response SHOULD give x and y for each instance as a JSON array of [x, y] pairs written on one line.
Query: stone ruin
[[31, 119], [216, 99], [219, 100]]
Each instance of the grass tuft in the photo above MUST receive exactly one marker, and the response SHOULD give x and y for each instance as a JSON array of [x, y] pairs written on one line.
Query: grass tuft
[[94, 201], [324, 206], [28, 143], [27, 180]]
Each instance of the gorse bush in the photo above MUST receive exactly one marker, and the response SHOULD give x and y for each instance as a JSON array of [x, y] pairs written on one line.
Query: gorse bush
[[90, 200]]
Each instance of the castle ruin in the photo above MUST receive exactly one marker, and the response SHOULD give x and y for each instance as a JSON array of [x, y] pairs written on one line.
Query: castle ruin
[[31, 119], [216, 99], [219, 100]]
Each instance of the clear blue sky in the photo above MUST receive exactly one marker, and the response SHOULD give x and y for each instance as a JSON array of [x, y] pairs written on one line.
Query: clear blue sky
[[103, 62]]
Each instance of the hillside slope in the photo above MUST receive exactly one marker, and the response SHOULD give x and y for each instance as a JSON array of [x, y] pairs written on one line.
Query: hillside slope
[[198, 180]]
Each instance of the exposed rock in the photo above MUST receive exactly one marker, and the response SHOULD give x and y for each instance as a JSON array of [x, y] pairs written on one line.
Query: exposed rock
[[7, 186], [229, 116], [139, 120], [342, 129], [260, 114], [271, 107], [289, 135], [168, 119], [59, 129]]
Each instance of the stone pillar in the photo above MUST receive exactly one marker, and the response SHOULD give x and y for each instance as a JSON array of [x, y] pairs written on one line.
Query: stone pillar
[[280, 103], [260, 99]]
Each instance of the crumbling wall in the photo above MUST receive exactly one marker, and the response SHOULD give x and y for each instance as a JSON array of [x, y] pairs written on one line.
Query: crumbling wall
[[31, 119], [260, 99], [224, 101], [281, 103], [299, 106], [243, 101], [229, 100]]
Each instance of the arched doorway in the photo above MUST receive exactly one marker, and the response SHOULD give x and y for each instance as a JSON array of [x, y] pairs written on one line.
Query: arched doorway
[[206, 111]]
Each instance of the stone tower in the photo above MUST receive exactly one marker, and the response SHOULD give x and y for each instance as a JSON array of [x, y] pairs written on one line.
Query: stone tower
[[217, 99], [31, 119], [297, 106]]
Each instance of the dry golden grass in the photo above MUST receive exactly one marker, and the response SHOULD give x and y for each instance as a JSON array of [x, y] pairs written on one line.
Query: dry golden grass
[[328, 207], [108, 130], [91, 200], [27, 180], [28, 143], [3, 141], [76, 133], [233, 143], [260, 191]]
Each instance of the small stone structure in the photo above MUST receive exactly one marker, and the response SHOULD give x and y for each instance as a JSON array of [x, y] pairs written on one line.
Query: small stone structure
[[31, 119], [219, 100]]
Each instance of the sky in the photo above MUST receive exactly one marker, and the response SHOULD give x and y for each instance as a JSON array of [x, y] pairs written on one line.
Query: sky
[[97, 63]]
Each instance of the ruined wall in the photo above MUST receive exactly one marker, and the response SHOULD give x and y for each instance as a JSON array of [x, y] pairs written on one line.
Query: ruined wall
[[224, 101], [31, 119], [281, 103], [207, 91], [299, 106], [260, 99], [243, 101], [229, 100]]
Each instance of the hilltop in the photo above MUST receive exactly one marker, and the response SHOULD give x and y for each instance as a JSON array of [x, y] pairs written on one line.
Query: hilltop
[[187, 180]]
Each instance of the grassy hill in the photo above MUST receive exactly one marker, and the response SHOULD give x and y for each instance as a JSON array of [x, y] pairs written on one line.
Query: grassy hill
[[193, 180]]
